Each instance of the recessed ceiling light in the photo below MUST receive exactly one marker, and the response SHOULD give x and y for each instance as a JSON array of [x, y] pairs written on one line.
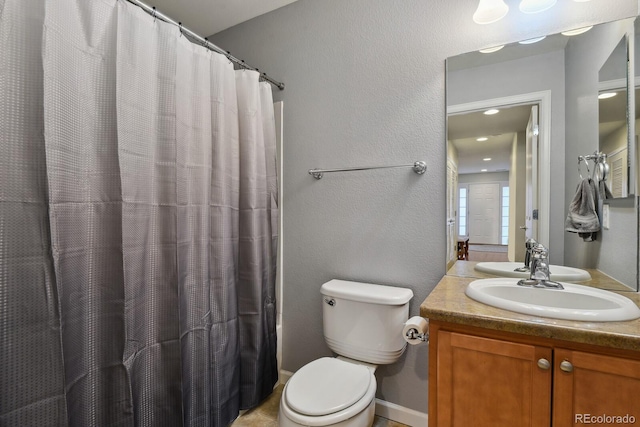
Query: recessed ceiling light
[[532, 41], [491, 112], [491, 49], [607, 95], [486, 159], [483, 170], [576, 31], [482, 139]]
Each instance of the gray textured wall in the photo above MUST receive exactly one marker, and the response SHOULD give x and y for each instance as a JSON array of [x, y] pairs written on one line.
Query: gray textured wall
[[618, 246], [365, 85]]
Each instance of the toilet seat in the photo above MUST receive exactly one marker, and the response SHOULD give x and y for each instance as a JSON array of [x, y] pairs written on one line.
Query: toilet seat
[[364, 404], [326, 386]]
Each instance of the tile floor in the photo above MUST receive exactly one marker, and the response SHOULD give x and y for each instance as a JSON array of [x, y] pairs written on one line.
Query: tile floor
[[266, 415]]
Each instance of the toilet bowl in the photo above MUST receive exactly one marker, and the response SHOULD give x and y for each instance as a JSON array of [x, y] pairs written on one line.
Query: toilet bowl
[[329, 392], [362, 322]]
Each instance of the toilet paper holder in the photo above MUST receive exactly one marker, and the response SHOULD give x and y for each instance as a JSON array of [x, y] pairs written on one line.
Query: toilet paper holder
[[416, 330], [413, 334]]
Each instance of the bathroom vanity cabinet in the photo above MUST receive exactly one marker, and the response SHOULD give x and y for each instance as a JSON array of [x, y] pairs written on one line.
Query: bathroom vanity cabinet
[[492, 367], [490, 378]]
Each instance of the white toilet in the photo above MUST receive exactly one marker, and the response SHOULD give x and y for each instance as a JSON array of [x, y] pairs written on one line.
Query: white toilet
[[363, 324]]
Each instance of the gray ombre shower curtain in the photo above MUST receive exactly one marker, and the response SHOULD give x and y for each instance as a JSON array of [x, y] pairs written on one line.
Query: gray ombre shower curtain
[[138, 222]]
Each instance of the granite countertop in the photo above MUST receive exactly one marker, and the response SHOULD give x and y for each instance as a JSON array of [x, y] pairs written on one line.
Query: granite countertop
[[598, 279], [448, 303]]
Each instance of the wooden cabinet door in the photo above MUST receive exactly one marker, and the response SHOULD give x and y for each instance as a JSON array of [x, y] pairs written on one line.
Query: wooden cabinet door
[[488, 382], [596, 385]]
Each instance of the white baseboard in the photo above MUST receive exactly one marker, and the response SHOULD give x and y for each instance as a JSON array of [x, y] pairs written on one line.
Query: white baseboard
[[400, 414]]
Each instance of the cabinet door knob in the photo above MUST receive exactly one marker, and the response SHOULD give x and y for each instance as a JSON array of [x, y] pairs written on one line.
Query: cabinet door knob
[[566, 366], [544, 364]]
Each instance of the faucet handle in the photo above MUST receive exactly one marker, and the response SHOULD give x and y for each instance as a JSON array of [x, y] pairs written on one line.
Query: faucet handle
[[539, 251], [540, 263], [530, 243]]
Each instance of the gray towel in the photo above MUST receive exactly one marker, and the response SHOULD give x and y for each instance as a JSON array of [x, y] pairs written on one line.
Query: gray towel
[[603, 191], [583, 216]]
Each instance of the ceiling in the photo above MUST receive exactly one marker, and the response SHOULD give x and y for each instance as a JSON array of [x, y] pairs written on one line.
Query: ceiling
[[463, 130], [207, 17]]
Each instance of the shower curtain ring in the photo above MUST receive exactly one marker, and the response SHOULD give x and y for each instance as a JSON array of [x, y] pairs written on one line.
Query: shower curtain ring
[[180, 28], [154, 14]]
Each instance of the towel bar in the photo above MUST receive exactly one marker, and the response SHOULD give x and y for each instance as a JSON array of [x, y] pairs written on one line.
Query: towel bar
[[419, 167]]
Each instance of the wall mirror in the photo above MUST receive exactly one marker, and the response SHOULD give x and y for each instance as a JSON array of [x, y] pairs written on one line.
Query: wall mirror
[[512, 174], [611, 161]]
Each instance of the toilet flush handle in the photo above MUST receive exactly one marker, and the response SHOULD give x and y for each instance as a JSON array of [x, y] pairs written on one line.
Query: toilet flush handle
[[330, 301]]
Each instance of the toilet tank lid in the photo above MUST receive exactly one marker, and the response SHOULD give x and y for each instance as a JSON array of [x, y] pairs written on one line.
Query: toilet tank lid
[[366, 292]]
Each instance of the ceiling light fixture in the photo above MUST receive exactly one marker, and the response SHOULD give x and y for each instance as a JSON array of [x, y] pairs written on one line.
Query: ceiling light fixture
[[490, 11], [536, 6], [482, 139], [491, 49], [576, 31], [487, 159], [491, 112], [483, 170], [607, 95], [532, 41]]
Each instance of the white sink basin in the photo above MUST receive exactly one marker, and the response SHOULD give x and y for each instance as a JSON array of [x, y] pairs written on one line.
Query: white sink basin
[[574, 302], [558, 272]]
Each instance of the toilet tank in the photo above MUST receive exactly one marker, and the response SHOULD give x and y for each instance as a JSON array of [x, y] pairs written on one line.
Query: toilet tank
[[363, 321]]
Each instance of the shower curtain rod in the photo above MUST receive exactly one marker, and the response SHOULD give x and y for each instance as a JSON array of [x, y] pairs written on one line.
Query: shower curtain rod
[[156, 14]]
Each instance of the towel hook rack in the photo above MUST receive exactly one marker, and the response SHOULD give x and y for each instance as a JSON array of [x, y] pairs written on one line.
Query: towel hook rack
[[580, 160], [600, 165], [418, 167]]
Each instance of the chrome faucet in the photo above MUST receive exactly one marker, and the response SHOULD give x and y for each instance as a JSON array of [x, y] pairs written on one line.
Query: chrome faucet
[[529, 245], [540, 276], [540, 263]]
